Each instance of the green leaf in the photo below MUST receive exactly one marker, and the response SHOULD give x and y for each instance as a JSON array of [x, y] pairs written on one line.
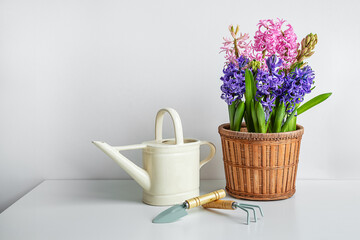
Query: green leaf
[[231, 109], [249, 96], [268, 124], [239, 114], [313, 102], [273, 114], [249, 79], [279, 117], [260, 117], [254, 117], [285, 127], [292, 124], [253, 85]]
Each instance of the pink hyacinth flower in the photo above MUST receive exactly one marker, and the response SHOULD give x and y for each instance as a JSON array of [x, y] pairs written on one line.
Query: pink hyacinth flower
[[272, 39], [242, 46]]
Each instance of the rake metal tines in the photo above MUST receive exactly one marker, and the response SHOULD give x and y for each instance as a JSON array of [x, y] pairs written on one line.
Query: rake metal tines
[[232, 205], [245, 208]]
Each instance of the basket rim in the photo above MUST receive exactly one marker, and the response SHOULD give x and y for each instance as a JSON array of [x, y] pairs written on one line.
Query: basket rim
[[224, 131]]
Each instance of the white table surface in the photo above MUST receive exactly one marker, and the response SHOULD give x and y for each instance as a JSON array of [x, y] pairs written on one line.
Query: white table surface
[[112, 209]]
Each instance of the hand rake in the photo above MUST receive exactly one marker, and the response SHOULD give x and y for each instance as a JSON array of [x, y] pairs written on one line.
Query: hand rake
[[232, 205]]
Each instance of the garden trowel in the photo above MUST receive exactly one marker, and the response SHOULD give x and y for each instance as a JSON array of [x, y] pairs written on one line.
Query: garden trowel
[[177, 211]]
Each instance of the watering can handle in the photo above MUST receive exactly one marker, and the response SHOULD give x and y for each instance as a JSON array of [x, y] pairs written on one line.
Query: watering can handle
[[179, 139], [211, 154]]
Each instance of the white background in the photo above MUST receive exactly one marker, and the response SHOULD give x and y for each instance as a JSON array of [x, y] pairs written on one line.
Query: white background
[[75, 71]]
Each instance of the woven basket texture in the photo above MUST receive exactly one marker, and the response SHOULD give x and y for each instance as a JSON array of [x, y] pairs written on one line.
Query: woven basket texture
[[260, 166]]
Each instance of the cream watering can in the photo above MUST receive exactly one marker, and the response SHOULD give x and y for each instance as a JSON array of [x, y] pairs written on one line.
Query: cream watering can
[[171, 166]]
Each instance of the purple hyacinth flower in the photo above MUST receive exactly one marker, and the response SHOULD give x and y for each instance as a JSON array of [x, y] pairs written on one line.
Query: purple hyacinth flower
[[233, 86], [273, 62], [296, 85], [268, 83]]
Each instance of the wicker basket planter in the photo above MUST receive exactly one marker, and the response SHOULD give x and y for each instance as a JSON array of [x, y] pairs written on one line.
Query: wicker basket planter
[[260, 166]]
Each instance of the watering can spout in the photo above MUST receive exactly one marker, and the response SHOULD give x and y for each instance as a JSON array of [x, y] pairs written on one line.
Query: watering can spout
[[137, 173]]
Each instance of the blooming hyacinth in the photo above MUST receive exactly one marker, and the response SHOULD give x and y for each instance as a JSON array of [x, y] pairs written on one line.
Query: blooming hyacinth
[[270, 39], [235, 47], [296, 85], [233, 86], [265, 82], [268, 84]]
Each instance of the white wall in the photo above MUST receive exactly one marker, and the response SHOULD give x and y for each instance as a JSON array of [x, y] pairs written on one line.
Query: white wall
[[77, 70]]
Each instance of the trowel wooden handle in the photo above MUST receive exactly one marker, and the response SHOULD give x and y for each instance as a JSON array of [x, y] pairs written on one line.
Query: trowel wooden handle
[[203, 199], [222, 204]]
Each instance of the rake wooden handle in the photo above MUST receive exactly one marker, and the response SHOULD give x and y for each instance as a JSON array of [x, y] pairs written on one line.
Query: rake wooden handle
[[222, 204], [204, 199]]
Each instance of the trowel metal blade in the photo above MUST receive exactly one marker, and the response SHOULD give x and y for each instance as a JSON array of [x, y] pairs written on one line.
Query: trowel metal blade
[[171, 214]]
